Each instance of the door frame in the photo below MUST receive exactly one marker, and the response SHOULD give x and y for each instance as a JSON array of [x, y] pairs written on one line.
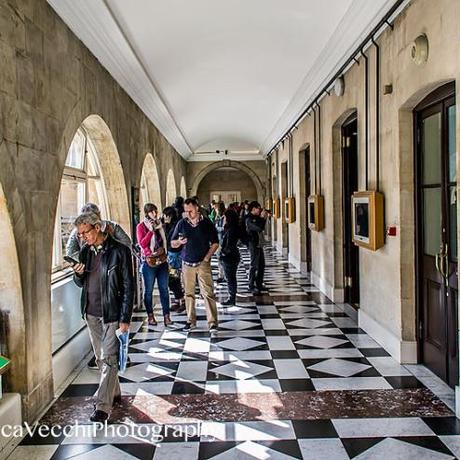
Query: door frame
[[305, 232], [352, 118], [435, 97]]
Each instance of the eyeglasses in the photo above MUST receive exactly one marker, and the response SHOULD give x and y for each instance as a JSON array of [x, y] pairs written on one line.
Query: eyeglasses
[[83, 234]]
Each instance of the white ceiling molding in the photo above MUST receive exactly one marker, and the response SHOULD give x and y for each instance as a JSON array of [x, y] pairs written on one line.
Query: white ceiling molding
[[92, 22], [359, 20]]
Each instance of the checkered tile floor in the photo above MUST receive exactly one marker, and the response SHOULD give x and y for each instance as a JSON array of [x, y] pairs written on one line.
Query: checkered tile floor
[[293, 339]]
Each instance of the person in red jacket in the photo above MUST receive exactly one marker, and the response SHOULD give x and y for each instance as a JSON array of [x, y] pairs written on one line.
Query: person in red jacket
[[152, 240]]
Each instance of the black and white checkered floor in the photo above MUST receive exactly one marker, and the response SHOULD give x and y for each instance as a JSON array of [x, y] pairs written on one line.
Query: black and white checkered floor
[[292, 340]]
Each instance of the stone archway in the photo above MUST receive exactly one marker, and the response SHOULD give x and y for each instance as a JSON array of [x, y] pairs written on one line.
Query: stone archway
[[112, 171], [171, 191], [150, 183], [12, 332], [229, 164]]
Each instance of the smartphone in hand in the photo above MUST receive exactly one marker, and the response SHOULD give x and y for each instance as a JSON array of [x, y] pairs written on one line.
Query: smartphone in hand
[[71, 260]]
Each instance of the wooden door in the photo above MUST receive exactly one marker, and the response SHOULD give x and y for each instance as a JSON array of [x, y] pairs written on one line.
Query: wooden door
[[436, 222], [350, 185]]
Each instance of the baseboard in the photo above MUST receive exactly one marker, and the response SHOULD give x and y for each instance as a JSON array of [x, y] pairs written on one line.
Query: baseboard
[[294, 261], [335, 294], [10, 414], [404, 351], [69, 357]]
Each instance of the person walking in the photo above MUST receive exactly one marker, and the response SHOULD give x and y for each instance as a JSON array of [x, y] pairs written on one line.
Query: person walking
[[74, 245], [219, 224], [255, 225], [152, 240], [105, 274], [230, 254], [170, 220], [198, 238]]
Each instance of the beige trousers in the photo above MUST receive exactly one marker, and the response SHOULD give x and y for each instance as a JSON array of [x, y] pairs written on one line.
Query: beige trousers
[[204, 274]]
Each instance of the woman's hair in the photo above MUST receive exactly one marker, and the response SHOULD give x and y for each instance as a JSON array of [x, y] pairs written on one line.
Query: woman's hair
[[178, 202], [149, 207], [231, 218], [169, 211], [221, 208]]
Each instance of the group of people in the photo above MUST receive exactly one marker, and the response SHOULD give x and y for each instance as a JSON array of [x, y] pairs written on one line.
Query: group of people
[[176, 251]]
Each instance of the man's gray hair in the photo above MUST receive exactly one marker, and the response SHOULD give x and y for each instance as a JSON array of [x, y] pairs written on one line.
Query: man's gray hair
[[91, 207], [90, 218]]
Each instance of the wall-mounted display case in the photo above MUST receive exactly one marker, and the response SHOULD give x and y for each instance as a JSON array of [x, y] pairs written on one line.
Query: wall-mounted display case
[[316, 212], [368, 219], [289, 209]]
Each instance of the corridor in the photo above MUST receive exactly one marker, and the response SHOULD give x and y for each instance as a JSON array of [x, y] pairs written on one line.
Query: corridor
[[288, 376]]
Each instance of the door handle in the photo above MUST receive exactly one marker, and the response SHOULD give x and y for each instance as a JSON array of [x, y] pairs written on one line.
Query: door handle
[[440, 260]]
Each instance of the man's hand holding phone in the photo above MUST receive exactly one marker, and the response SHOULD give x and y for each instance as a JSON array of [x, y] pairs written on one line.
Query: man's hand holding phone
[[182, 239]]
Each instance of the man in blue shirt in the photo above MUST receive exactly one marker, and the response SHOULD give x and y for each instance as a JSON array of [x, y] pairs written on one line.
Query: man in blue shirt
[[198, 238]]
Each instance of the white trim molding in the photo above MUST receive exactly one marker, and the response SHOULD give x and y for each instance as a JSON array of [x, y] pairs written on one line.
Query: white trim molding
[[404, 351], [93, 23], [335, 294]]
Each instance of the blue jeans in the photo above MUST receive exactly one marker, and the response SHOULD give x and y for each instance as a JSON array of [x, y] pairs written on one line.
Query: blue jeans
[[161, 273]]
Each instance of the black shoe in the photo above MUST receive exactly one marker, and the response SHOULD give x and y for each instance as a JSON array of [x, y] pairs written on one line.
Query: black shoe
[[228, 302], [188, 326], [99, 416], [263, 288], [92, 363], [213, 328]]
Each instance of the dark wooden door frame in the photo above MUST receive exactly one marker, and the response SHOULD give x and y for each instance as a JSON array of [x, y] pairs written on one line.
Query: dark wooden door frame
[[440, 98], [350, 252], [306, 163]]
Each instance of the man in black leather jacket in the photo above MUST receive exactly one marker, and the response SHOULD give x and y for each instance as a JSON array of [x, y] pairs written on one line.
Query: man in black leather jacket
[[106, 275]]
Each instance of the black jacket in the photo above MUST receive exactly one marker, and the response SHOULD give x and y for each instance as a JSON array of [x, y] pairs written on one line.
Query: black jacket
[[117, 281], [255, 225], [229, 251]]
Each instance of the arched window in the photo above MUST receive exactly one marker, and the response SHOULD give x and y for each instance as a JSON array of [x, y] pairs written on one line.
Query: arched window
[[150, 183], [82, 182], [170, 189]]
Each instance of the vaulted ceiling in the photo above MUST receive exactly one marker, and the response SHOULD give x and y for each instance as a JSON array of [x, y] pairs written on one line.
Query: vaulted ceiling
[[221, 74]]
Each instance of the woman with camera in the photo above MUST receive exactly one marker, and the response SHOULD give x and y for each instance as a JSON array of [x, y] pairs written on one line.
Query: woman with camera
[[152, 240]]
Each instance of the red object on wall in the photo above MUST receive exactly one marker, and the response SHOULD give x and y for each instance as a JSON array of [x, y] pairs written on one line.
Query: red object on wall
[[391, 231]]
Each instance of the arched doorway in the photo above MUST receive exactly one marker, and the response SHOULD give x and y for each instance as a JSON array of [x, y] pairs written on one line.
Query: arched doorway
[[12, 330], [171, 192], [305, 192], [436, 231], [150, 183], [92, 173], [254, 180], [345, 144]]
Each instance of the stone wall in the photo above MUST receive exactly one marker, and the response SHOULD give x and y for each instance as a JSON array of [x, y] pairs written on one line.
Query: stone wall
[[227, 180], [256, 170], [387, 276], [49, 84]]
